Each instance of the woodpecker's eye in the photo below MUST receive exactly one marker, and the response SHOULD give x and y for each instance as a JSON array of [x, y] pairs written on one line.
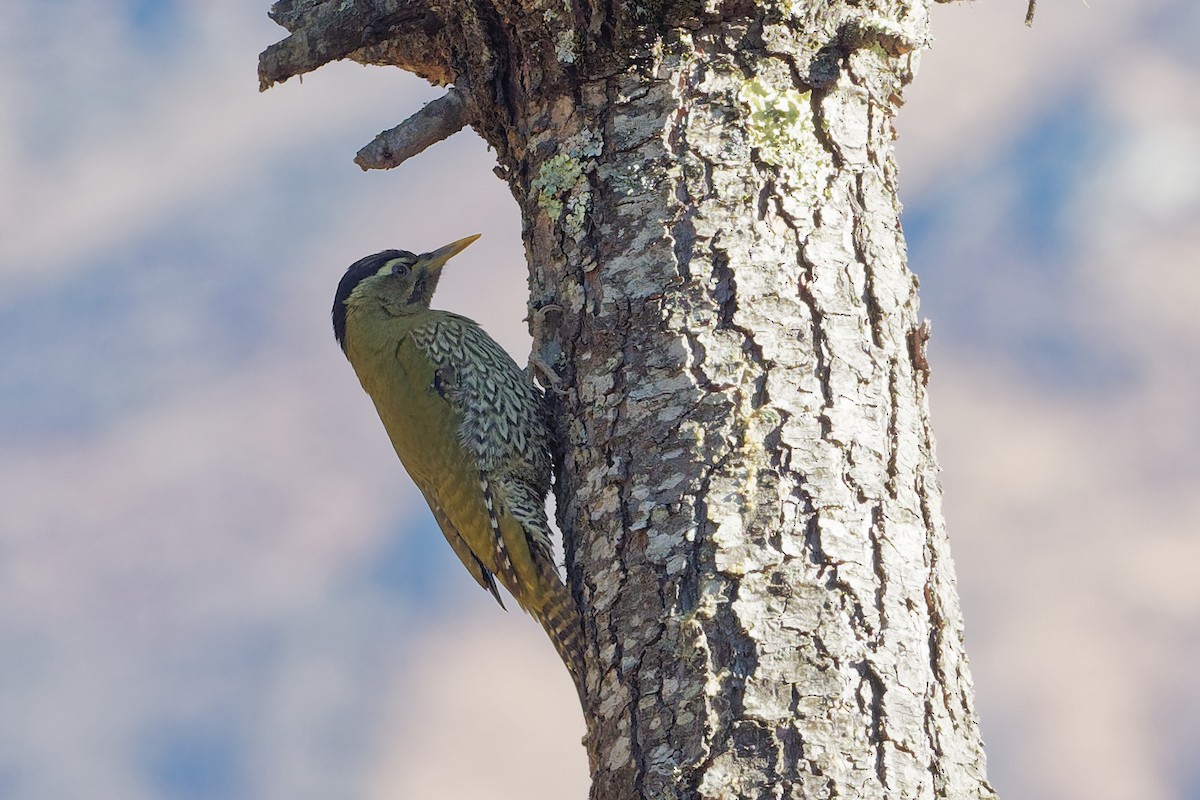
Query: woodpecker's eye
[[400, 269]]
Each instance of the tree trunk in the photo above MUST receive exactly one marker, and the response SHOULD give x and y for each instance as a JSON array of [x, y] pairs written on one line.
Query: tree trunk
[[747, 482]]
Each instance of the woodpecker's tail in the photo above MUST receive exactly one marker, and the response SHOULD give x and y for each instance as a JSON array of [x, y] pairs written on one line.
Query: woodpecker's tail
[[560, 618]]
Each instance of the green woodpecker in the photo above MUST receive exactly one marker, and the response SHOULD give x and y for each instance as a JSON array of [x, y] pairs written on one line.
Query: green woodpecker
[[469, 426]]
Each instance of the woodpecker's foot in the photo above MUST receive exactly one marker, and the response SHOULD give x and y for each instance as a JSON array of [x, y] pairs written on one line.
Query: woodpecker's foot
[[538, 366], [545, 374]]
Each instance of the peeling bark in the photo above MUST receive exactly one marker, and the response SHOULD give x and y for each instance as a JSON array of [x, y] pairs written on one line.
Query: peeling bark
[[747, 482]]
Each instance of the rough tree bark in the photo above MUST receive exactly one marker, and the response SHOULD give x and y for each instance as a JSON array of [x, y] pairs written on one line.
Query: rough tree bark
[[747, 481]]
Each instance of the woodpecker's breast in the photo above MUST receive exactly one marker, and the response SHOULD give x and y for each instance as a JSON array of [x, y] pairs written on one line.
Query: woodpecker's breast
[[401, 380]]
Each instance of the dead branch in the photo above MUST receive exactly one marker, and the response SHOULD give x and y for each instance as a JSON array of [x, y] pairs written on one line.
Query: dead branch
[[439, 119]]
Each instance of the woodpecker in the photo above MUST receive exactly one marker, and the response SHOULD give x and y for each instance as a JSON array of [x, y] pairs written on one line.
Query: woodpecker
[[469, 426]]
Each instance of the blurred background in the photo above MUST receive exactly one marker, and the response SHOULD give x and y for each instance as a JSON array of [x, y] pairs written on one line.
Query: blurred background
[[216, 581]]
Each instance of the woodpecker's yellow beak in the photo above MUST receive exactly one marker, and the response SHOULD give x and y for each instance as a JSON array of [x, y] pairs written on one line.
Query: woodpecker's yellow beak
[[436, 258]]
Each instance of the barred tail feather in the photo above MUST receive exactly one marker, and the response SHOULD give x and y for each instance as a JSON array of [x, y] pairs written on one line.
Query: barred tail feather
[[562, 623]]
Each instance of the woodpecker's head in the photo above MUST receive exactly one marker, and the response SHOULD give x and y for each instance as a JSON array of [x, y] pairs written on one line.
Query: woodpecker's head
[[400, 281]]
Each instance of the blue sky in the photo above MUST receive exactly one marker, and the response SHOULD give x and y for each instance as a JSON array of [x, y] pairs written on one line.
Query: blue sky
[[215, 581]]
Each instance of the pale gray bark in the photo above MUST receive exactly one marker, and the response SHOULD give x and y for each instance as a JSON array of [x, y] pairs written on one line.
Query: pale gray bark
[[747, 479]]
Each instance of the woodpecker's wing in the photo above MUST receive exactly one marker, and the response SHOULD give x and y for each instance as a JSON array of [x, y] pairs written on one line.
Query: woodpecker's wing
[[501, 428], [502, 421], [481, 574]]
